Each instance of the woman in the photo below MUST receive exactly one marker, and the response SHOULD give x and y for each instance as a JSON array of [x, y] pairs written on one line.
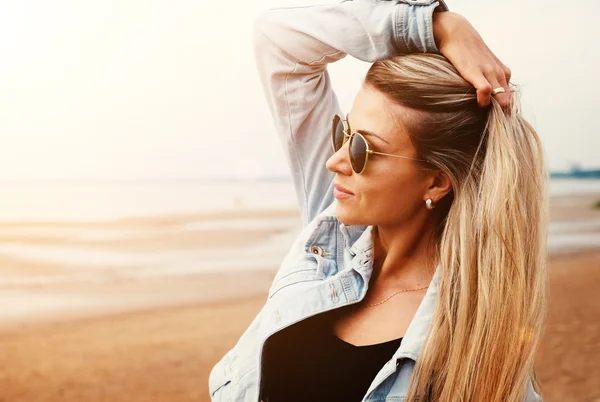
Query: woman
[[420, 272]]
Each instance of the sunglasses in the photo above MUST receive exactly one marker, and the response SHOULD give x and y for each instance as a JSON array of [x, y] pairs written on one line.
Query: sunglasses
[[359, 149]]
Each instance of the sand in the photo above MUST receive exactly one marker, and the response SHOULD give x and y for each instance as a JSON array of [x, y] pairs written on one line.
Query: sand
[[157, 339]]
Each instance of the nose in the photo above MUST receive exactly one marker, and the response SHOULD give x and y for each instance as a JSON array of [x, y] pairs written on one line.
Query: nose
[[339, 162]]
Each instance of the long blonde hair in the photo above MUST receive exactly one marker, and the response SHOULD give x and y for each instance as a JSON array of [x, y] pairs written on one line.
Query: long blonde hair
[[491, 241]]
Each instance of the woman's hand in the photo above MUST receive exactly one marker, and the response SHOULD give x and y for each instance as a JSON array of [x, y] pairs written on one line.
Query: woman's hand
[[462, 45]]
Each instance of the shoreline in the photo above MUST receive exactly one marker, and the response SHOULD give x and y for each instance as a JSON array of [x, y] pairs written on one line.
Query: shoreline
[[127, 296], [48, 304]]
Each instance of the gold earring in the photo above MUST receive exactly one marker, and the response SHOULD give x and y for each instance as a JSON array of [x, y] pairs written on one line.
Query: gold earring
[[429, 204]]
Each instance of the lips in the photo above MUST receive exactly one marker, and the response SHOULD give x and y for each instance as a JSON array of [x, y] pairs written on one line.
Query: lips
[[343, 189]]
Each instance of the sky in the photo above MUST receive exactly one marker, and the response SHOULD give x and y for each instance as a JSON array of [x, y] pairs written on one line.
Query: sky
[[161, 90]]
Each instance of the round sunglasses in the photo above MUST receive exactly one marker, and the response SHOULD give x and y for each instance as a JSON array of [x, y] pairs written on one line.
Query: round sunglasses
[[359, 149]]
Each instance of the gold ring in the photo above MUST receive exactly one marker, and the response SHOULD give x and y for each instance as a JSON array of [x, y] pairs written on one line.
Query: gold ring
[[497, 91]]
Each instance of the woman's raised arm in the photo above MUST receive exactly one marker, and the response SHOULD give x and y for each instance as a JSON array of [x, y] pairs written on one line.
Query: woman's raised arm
[[293, 46]]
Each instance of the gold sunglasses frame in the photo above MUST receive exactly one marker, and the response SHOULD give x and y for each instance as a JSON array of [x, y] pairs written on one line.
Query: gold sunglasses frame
[[351, 138]]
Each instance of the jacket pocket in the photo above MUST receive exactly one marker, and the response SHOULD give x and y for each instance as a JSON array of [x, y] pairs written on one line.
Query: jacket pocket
[[316, 268], [311, 258], [302, 274]]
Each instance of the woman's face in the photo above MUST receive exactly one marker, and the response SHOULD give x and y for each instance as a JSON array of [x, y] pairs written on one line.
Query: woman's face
[[390, 190]]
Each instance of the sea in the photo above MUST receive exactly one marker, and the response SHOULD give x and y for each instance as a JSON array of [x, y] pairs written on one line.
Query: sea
[[35, 214], [85, 201]]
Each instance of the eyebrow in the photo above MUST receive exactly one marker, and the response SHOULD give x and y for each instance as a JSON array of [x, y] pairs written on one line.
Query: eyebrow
[[365, 132]]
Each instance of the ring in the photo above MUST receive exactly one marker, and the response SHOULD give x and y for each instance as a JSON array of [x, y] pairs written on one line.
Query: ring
[[497, 91]]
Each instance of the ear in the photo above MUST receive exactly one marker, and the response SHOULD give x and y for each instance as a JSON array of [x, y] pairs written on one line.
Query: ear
[[440, 185]]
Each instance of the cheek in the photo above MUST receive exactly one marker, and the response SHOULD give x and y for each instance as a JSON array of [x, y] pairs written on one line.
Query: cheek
[[385, 197], [396, 195], [389, 187]]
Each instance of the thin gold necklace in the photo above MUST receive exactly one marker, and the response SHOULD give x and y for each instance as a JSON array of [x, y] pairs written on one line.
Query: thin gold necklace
[[394, 294]]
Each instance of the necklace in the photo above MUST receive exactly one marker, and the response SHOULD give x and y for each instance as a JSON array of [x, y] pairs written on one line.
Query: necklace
[[394, 294]]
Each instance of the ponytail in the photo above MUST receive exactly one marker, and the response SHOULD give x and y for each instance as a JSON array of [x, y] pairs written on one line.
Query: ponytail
[[492, 301]]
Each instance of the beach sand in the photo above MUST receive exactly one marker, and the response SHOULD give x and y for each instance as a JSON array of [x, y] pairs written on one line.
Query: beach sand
[[156, 339]]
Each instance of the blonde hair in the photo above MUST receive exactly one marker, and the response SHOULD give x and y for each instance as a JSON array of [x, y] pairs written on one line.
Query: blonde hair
[[491, 241]]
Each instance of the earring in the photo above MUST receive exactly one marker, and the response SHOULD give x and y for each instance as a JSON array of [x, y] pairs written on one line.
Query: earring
[[429, 204]]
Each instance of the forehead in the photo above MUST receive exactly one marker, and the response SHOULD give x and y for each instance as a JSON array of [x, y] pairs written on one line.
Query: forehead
[[374, 112]]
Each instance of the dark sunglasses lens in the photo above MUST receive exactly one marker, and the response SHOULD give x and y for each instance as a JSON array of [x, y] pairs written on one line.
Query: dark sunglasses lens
[[358, 153], [338, 134]]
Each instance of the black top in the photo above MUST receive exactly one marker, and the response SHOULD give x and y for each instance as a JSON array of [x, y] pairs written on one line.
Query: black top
[[308, 362]]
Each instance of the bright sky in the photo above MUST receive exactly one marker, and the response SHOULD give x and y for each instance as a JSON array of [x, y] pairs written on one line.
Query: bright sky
[[153, 89]]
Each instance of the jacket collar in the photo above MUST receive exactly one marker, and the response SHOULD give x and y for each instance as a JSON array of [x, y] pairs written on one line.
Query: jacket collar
[[357, 239]]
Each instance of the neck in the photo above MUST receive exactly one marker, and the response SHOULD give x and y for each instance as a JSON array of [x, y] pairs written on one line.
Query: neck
[[404, 255]]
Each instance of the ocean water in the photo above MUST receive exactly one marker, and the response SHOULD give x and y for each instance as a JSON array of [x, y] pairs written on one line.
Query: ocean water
[[33, 211], [93, 201], [106, 200]]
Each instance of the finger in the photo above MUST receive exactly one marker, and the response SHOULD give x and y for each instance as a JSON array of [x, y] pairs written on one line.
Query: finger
[[503, 81], [497, 79], [505, 69], [484, 89], [504, 75], [507, 77], [507, 73]]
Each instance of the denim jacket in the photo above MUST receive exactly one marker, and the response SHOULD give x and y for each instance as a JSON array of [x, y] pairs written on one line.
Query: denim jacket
[[329, 264]]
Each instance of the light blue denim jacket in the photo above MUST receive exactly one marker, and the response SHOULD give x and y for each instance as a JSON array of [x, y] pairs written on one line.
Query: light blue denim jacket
[[329, 264]]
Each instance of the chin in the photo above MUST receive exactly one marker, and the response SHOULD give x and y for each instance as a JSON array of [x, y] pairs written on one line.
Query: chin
[[349, 216]]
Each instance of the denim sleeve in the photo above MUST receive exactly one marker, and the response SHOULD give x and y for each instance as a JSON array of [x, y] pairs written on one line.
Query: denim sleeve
[[293, 46]]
